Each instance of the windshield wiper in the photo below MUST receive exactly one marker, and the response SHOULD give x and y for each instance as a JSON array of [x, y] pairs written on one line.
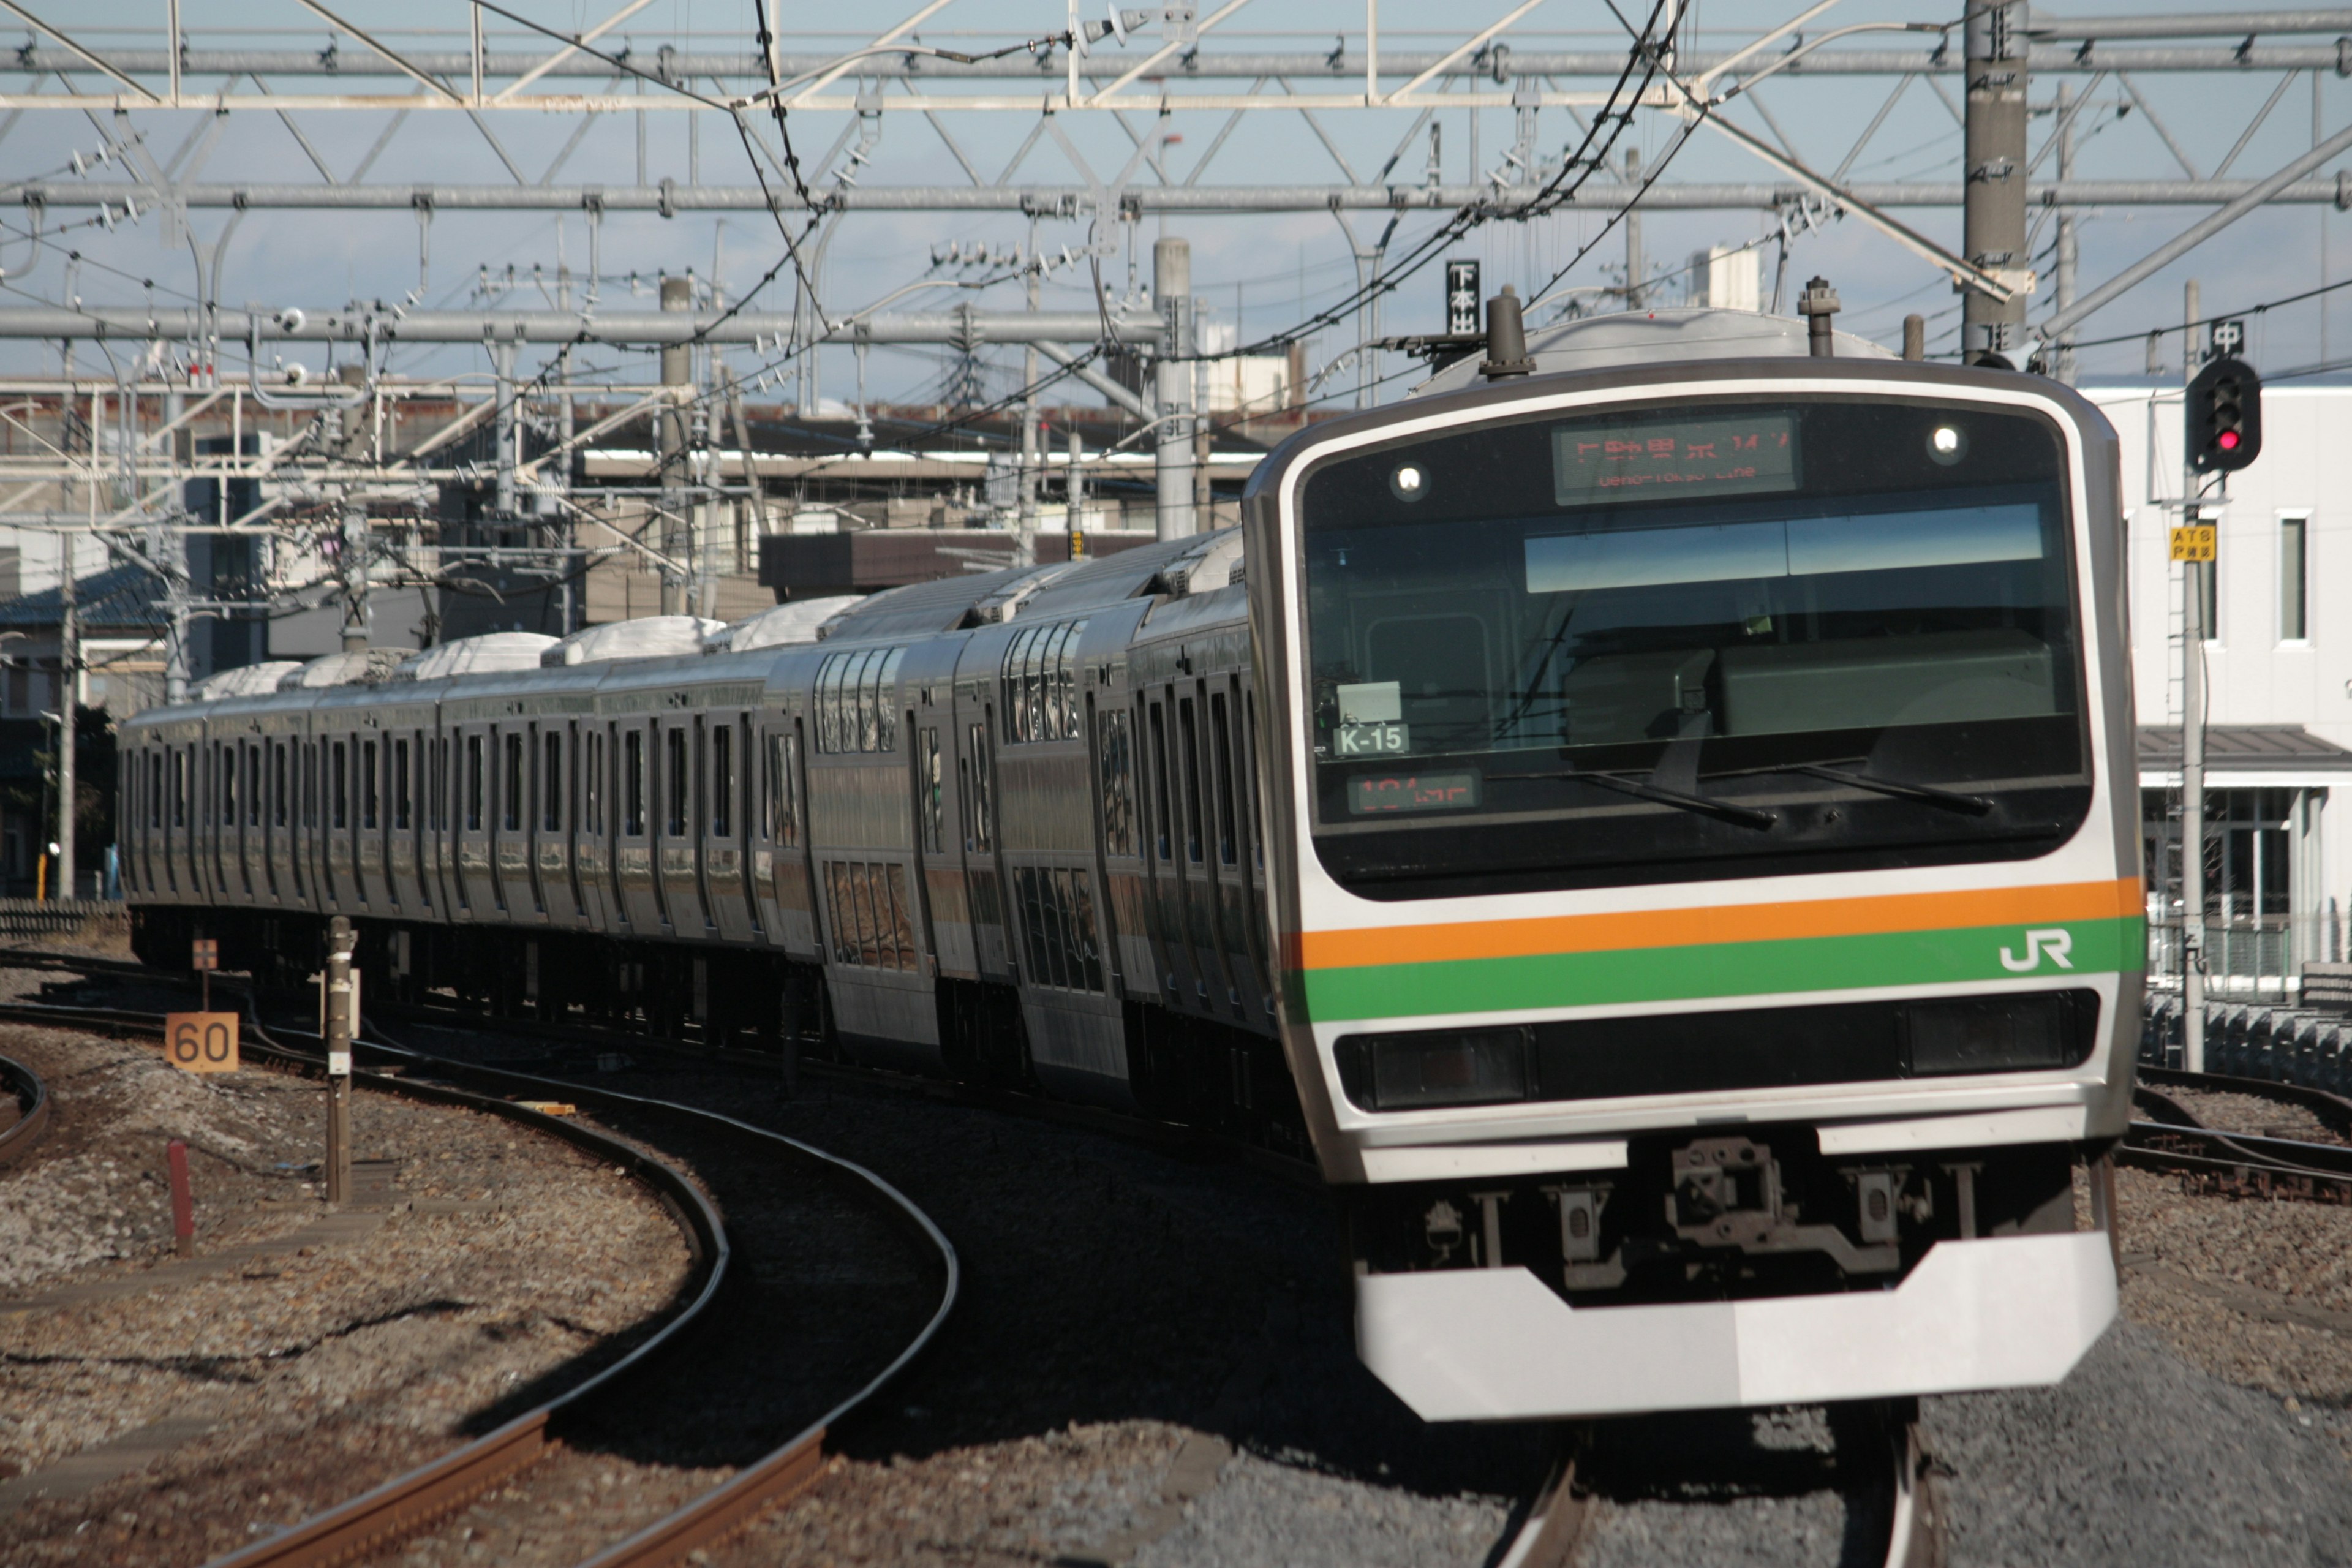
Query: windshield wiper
[[1705, 806], [1950, 800]]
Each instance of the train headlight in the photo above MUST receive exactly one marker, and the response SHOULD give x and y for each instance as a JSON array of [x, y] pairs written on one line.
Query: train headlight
[[1947, 444], [1429, 1068], [1409, 481]]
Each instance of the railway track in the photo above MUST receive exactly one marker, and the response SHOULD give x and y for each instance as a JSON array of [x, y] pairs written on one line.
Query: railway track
[[367, 1524], [32, 1124], [2235, 1163], [1881, 1469]]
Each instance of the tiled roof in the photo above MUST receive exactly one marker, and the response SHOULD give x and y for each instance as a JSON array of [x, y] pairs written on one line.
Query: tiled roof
[[120, 597], [2244, 747]]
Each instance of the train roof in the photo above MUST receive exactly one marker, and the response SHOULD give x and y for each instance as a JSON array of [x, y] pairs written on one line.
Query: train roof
[[1674, 336]]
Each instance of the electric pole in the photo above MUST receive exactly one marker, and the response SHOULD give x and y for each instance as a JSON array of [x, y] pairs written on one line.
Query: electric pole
[[677, 369], [1171, 290], [2192, 733], [1993, 233], [69, 688]]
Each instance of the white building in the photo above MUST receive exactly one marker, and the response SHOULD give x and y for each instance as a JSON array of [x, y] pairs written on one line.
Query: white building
[[2278, 665]]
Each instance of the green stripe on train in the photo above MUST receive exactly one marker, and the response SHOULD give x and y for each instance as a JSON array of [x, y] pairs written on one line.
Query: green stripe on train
[[1724, 969]]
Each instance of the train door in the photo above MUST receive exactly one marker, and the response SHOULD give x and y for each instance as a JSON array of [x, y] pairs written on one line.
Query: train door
[[593, 827], [252, 873], [638, 888], [511, 855], [725, 865], [529, 833], [407, 886], [472, 786], [1120, 834], [375, 823], [791, 881], [983, 873], [338, 825], [1261, 911], [1171, 846], [575, 784], [702, 801], [1230, 830], [941, 895]]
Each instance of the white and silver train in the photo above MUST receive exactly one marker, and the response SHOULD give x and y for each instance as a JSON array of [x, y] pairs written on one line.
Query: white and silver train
[[1661, 833]]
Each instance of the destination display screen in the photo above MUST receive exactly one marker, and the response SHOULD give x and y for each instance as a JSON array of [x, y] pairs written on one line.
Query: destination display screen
[[1719, 455], [1384, 795]]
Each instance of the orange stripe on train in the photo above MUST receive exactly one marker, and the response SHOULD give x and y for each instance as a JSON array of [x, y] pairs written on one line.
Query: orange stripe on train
[[1445, 943]]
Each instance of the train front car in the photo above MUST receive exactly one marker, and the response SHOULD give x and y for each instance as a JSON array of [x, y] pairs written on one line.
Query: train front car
[[1710, 901]]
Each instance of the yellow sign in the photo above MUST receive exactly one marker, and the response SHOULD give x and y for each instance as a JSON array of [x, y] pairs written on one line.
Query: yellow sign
[[204, 952], [201, 1042], [2194, 543]]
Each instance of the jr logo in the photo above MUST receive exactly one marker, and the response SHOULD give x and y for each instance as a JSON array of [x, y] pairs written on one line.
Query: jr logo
[[2054, 942]]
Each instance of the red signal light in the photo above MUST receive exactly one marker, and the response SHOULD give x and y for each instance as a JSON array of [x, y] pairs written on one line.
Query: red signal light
[[2226, 440]]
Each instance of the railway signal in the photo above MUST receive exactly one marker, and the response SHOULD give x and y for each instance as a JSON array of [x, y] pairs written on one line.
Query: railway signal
[[2224, 416]]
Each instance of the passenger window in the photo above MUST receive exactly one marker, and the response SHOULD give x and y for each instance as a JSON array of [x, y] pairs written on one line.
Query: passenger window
[[1256, 804], [1221, 742], [338, 788], [929, 780], [513, 762], [983, 831], [473, 783], [277, 784], [588, 752], [402, 797], [550, 818], [1161, 808], [674, 761], [371, 792], [723, 781], [1117, 783], [253, 786], [1188, 733], [633, 756]]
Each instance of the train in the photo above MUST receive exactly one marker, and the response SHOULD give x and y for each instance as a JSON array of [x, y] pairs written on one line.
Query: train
[[1652, 817]]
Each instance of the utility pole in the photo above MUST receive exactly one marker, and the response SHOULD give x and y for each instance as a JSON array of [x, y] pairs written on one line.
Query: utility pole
[[2063, 365], [1171, 287], [1634, 263], [355, 577], [1031, 451], [1993, 231], [502, 422], [68, 690], [677, 370], [2192, 735], [341, 1010]]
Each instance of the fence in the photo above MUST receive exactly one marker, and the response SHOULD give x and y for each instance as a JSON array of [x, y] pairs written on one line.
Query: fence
[[2248, 960]]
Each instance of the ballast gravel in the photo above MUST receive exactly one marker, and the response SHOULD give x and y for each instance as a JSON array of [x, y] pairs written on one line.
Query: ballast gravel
[[311, 1370]]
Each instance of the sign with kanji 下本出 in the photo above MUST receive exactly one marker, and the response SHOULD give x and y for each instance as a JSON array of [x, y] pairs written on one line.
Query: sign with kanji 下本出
[[1461, 298]]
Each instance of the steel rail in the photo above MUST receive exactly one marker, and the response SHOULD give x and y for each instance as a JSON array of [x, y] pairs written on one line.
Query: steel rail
[[18, 1140], [409, 1502], [789, 1468], [2334, 1109]]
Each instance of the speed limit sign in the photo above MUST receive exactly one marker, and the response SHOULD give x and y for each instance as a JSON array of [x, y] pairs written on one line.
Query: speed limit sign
[[201, 1042]]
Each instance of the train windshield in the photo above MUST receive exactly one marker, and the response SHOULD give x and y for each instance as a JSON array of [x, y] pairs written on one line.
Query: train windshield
[[1743, 637]]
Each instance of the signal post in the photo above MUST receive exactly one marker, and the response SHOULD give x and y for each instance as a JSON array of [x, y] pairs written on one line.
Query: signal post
[[2221, 432], [339, 998]]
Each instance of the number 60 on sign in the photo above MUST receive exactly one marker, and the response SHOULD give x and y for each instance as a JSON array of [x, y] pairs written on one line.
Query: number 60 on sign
[[201, 1042]]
